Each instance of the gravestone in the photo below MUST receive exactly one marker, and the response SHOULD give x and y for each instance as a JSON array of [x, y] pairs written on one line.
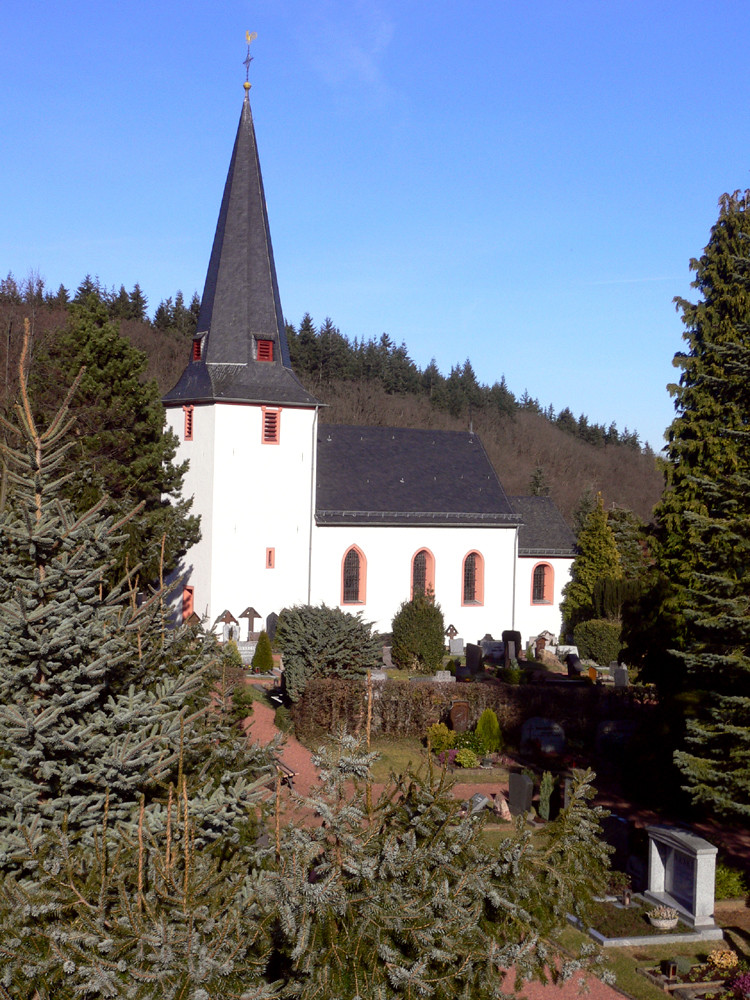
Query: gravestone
[[387, 659], [542, 735], [444, 677], [492, 650], [271, 622], [512, 641], [620, 675], [501, 807], [456, 647], [477, 803], [573, 662], [614, 735], [520, 794], [473, 658], [681, 874], [459, 716]]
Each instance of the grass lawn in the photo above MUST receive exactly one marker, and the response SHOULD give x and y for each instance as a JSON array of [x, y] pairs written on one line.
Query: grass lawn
[[397, 755]]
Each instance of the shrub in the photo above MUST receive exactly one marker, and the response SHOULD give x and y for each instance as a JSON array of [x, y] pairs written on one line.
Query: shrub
[[448, 757], [242, 702], [230, 655], [318, 641], [466, 758], [723, 960], [440, 737], [488, 730], [598, 640], [512, 673], [469, 741], [546, 788], [282, 720], [730, 882], [418, 635], [262, 661]]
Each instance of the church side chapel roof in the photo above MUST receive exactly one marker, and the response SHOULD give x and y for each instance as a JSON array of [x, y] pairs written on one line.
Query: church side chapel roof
[[395, 475], [241, 304], [543, 531]]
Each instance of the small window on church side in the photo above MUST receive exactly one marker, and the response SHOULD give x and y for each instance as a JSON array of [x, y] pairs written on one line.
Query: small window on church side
[[265, 350], [271, 425], [188, 435], [270, 558]]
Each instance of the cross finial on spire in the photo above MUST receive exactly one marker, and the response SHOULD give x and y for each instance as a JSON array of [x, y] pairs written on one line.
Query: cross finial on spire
[[248, 58]]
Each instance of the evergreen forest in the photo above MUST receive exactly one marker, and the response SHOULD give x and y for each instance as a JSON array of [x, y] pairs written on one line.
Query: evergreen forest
[[533, 449]]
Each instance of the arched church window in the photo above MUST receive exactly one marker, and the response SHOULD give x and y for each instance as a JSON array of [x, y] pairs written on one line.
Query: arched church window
[[422, 573], [542, 584], [354, 569], [473, 579]]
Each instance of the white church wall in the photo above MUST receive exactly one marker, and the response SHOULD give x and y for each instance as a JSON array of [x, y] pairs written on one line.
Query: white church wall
[[255, 502], [389, 552], [533, 618]]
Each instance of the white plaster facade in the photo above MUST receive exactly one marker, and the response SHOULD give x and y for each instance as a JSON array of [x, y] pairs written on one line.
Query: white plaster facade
[[532, 618]]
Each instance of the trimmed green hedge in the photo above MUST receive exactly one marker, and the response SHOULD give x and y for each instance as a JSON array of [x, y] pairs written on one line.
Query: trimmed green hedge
[[598, 640]]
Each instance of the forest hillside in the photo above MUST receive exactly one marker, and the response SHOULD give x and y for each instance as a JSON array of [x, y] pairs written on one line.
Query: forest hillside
[[533, 449]]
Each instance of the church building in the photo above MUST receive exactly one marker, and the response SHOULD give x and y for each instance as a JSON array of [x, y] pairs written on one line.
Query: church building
[[297, 511]]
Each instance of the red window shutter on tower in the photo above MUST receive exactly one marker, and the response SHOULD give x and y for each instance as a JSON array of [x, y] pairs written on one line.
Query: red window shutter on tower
[[265, 350], [197, 349], [271, 421], [188, 422]]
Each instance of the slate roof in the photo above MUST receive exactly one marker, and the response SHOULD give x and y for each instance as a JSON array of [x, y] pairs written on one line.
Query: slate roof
[[241, 302], [395, 475], [543, 530]]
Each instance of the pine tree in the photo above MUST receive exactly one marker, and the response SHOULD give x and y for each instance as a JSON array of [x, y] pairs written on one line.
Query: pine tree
[[597, 559], [99, 703], [402, 899], [318, 641], [122, 450], [705, 516]]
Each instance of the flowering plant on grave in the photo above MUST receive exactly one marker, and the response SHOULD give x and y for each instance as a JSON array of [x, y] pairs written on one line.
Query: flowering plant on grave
[[723, 960], [663, 913], [741, 985]]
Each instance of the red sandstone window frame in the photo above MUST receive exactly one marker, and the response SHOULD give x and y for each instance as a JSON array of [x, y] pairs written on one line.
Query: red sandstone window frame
[[542, 583], [428, 585], [472, 579], [354, 585], [188, 602]]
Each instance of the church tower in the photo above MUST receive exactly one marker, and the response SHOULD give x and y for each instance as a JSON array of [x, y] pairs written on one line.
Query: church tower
[[245, 423]]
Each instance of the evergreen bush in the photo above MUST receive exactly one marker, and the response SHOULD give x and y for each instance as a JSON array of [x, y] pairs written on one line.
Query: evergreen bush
[[730, 883], [598, 640], [418, 635], [262, 661], [470, 741], [440, 737], [282, 719], [318, 641], [466, 758], [488, 730], [546, 789], [230, 655]]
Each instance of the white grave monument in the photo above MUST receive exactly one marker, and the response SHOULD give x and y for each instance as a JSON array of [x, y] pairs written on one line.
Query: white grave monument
[[681, 874]]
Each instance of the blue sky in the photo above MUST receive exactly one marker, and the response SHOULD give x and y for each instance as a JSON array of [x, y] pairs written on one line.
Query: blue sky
[[519, 183]]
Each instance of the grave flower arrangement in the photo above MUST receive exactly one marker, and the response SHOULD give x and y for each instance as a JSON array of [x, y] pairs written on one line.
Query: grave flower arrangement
[[663, 913]]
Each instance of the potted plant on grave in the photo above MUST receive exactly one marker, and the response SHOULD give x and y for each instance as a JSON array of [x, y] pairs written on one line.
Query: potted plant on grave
[[663, 918]]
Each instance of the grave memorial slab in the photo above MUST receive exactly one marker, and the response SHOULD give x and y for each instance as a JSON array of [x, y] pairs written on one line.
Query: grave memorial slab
[[459, 716], [473, 657], [520, 793], [543, 735], [681, 873]]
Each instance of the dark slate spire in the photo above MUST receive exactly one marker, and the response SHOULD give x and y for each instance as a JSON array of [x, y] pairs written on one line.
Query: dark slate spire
[[240, 318]]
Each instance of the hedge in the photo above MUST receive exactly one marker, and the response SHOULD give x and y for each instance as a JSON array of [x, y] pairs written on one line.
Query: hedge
[[402, 709]]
